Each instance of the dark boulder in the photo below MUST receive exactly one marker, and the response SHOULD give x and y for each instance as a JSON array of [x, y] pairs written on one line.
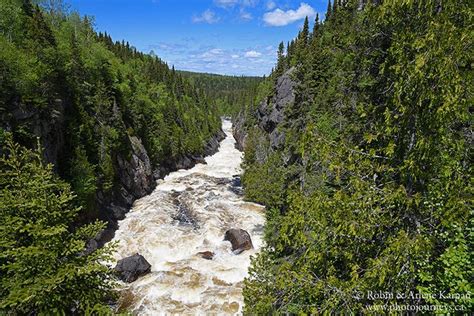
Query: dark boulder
[[208, 255], [185, 214], [240, 240], [130, 268]]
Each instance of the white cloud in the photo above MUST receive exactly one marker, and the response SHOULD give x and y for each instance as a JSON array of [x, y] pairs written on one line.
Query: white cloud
[[252, 54], [246, 16], [271, 5], [207, 16], [212, 53], [212, 59], [249, 3], [282, 18], [226, 3], [232, 3]]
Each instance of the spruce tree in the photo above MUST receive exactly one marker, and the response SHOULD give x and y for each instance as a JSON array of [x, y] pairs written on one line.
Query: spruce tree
[[280, 67], [304, 35], [375, 192], [43, 264]]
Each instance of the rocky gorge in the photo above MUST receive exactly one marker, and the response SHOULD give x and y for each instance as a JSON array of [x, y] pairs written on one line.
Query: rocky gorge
[[196, 233], [135, 174]]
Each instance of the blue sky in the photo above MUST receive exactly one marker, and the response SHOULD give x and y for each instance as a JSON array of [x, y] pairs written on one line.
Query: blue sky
[[237, 37]]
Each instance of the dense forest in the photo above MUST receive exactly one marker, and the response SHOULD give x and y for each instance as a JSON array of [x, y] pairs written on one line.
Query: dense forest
[[230, 94], [358, 144], [366, 170], [87, 125]]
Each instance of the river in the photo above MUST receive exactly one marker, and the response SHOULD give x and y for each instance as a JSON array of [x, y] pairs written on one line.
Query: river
[[189, 212]]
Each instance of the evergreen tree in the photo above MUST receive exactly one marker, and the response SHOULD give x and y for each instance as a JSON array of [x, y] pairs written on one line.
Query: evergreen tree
[[44, 268], [304, 35], [374, 193], [280, 67]]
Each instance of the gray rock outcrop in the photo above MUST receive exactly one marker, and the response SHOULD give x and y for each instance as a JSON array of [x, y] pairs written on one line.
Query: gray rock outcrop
[[270, 113], [136, 173]]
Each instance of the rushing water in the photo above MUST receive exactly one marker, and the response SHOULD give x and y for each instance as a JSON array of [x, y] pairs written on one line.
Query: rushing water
[[189, 212]]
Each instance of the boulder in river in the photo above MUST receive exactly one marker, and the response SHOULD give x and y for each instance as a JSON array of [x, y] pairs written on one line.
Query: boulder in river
[[240, 240], [130, 268], [208, 255]]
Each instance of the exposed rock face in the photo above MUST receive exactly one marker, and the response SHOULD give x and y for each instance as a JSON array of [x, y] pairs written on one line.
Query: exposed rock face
[[46, 124], [270, 113], [136, 174], [239, 132], [189, 161], [130, 268], [240, 240], [135, 180]]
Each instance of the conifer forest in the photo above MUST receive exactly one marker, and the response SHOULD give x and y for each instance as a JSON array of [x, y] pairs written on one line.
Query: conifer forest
[[342, 177]]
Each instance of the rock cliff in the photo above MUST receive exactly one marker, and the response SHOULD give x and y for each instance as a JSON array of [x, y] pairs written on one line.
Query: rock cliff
[[134, 173], [270, 113]]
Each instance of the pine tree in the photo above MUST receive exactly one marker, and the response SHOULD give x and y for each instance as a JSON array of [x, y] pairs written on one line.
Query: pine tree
[[315, 32], [280, 67], [304, 35], [302, 42], [44, 268]]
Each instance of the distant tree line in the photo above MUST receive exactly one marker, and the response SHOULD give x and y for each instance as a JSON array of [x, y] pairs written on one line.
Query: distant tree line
[[230, 94]]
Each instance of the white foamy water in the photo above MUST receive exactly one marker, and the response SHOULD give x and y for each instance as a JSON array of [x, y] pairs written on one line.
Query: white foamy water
[[189, 212]]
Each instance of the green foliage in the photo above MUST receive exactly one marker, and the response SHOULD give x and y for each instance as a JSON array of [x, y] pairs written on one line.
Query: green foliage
[[88, 99], [43, 267], [84, 182], [376, 184], [95, 93], [230, 94]]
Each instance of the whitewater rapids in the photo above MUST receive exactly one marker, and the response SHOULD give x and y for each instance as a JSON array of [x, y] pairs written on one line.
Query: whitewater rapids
[[189, 212]]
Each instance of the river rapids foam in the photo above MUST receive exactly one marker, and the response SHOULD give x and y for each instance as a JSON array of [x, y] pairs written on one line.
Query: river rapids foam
[[189, 212]]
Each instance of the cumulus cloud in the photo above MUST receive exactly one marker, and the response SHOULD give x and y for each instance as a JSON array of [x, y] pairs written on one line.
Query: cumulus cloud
[[207, 16], [252, 54], [245, 16], [212, 53], [226, 3], [249, 3], [271, 5], [232, 3], [279, 17]]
